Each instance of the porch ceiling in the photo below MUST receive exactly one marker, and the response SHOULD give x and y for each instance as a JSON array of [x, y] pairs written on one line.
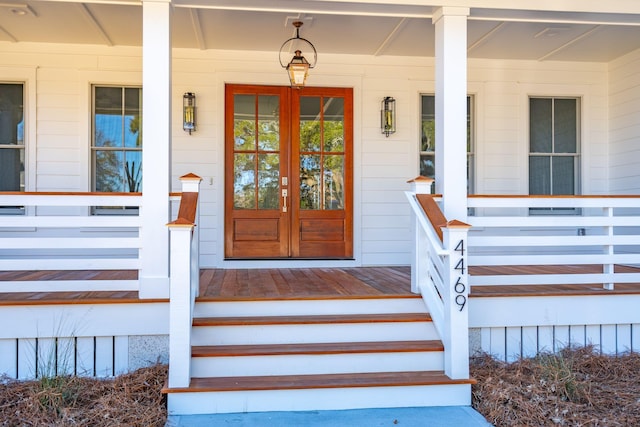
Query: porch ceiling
[[333, 26]]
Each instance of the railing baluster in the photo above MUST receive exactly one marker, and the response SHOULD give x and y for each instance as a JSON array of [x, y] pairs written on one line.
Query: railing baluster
[[608, 268], [420, 249]]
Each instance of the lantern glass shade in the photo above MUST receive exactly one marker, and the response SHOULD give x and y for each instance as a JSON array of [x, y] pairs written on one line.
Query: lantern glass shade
[[189, 112], [388, 116], [298, 70]]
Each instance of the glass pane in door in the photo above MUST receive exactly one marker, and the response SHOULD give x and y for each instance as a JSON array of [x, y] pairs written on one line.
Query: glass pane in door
[[256, 156], [322, 152]]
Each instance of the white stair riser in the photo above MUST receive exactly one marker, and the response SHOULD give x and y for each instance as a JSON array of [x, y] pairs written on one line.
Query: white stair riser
[[307, 364], [309, 307], [313, 333], [318, 399]]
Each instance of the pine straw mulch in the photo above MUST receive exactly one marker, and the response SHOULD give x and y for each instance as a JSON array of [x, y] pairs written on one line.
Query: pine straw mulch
[[132, 399], [576, 387]]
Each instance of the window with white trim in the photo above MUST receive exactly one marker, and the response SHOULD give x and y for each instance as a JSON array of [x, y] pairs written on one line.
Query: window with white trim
[[428, 139], [12, 153], [116, 142], [554, 146]]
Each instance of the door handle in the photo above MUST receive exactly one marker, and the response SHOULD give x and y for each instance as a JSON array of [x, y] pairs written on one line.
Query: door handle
[[285, 193]]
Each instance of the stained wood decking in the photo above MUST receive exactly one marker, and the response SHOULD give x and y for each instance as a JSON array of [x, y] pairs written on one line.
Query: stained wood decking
[[291, 283], [550, 290], [305, 283]]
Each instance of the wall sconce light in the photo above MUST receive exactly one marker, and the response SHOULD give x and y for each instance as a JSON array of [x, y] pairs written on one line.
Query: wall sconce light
[[189, 112], [298, 67], [388, 116]]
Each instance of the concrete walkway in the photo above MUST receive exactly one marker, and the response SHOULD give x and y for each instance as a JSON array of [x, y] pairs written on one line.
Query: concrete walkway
[[449, 416]]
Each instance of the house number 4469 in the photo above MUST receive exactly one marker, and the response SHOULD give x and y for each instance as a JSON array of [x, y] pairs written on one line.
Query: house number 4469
[[460, 288]]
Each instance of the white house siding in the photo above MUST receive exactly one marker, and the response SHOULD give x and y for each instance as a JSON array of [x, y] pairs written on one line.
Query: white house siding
[[85, 339], [60, 152], [624, 104]]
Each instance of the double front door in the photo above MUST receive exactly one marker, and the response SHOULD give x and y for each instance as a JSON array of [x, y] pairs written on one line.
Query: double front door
[[288, 176]]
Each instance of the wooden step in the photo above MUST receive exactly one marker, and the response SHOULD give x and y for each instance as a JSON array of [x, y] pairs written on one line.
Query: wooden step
[[297, 382], [318, 392], [309, 320], [315, 348], [262, 330], [309, 307]]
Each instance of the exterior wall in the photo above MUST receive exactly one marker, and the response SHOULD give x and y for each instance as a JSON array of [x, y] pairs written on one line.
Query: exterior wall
[[93, 340], [624, 104], [509, 328], [59, 155], [515, 342], [96, 356]]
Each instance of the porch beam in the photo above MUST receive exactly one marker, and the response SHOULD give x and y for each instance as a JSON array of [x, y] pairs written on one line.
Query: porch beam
[[451, 109], [156, 134]]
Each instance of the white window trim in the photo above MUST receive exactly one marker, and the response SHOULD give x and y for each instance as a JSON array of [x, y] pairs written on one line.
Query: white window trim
[[583, 93], [476, 91], [577, 186], [88, 79], [27, 77]]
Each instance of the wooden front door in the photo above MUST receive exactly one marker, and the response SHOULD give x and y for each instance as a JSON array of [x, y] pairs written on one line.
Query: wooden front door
[[288, 177]]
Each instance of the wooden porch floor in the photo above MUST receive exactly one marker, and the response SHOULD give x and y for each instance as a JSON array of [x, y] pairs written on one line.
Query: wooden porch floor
[[301, 283], [305, 283]]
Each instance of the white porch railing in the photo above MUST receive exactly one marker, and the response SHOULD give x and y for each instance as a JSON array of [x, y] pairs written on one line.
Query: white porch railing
[[602, 231], [184, 282], [57, 231], [439, 273]]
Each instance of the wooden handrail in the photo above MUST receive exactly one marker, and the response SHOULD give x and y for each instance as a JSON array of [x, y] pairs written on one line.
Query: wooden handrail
[[433, 212], [188, 207]]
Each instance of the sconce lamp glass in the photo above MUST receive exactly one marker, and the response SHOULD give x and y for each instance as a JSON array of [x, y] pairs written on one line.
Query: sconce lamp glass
[[388, 116], [189, 112]]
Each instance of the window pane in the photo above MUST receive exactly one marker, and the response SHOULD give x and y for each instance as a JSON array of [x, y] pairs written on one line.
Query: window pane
[[268, 181], [563, 173], [428, 124], [244, 124], [244, 181], [334, 182], [133, 170], [334, 124], [309, 124], [132, 117], [108, 120], [540, 125], [565, 126], [11, 169], [11, 137], [309, 182], [109, 167], [540, 175], [428, 165], [269, 123], [11, 114]]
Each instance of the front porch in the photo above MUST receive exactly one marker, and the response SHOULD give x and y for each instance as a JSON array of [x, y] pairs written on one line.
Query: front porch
[[305, 283], [342, 328]]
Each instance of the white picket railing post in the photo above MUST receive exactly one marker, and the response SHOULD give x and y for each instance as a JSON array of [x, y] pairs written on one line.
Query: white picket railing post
[[191, 183], [608, 268], [180, 304], [456, 300], [184, 287], [420, 249]]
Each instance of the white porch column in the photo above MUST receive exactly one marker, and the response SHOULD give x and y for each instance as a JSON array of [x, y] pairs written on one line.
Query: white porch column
[[156, 151], [451, 110]]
